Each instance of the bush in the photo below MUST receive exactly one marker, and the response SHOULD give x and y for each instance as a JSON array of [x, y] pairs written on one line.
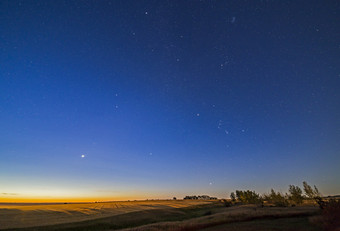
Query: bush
[[331, 215], [227, 203]]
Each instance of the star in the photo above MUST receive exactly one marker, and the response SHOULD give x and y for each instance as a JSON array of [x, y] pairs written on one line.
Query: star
[[82, 156]]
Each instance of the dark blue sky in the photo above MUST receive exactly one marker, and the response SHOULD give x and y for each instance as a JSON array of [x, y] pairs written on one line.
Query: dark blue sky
[[167, 98]]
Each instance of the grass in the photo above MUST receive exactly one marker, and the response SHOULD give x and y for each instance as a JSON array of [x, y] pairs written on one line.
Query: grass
[[279, 224], [233, 215]]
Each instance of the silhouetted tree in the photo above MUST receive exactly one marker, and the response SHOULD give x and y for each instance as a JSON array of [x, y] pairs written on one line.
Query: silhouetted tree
[[276, 198], [248, 197], [240, 195], [310, 192], [314, 194], [233, 197], [295, 194]]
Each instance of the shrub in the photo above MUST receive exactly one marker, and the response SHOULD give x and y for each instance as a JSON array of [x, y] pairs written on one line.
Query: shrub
[[331, 215], [227, 203]]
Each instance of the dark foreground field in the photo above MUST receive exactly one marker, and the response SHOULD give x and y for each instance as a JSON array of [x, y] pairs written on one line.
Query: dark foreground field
[[208, 216]]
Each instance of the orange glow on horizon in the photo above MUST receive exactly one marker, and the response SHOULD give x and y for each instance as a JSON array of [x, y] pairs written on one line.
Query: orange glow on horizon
[[70, 200], [59, 200], [64, 196], [51, 200]]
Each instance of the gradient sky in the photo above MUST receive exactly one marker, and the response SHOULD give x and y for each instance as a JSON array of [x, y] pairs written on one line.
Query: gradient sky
[[167, 98]]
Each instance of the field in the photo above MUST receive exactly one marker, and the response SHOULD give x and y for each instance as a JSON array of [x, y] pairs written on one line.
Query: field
[[154, 215], [30, 215]]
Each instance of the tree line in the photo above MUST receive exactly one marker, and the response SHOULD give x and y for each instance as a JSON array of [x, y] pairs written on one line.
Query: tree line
[[294, 196], [330, 208]]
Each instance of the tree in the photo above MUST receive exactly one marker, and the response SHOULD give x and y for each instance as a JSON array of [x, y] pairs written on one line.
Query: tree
[[314, 194], [240, 195], [233, 197], [276, 198], [248, 197], [295, 194], [310, 192]]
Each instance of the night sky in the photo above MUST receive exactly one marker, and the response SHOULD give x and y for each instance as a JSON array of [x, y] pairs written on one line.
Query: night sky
[[138, 99]]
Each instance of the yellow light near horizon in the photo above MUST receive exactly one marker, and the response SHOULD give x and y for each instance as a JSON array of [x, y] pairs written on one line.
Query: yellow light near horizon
[[44, 195]]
